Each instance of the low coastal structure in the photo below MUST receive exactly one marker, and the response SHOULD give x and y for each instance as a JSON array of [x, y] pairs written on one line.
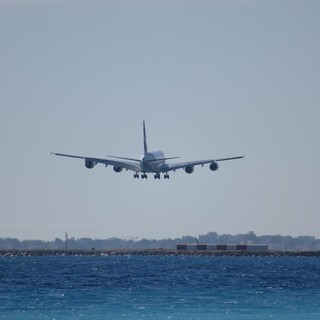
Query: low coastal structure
[[223, 247]]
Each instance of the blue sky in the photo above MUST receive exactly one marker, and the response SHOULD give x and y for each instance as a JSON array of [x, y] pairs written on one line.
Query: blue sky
[[211, 78]]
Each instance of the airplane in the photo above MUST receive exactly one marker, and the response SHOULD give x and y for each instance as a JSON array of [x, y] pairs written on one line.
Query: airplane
[[150, 162]]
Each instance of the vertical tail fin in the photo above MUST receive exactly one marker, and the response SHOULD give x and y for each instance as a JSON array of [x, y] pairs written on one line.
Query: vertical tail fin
[[145, 139]]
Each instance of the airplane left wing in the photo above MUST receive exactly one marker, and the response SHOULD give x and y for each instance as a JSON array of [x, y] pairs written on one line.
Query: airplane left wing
[[90, 162], [190, 164]]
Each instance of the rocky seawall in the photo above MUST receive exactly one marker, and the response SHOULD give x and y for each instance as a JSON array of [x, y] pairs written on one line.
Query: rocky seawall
[[156, 252]]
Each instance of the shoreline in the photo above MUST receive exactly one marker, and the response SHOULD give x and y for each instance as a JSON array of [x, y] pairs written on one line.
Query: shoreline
[[153, 252]]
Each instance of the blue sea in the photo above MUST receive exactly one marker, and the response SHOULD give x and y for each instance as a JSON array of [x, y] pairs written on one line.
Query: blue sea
[[159, 287]]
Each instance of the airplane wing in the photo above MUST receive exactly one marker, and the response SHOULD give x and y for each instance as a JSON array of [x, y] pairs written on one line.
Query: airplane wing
[[175, 166], [93, 161]]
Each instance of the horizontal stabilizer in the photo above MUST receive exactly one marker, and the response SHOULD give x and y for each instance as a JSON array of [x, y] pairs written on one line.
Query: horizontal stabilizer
[[123, 158], [226, 159], [162, 159]]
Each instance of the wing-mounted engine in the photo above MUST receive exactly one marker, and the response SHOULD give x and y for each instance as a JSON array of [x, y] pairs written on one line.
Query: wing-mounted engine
[[189, 169], [214, 166], [90, 164], [117, 169]]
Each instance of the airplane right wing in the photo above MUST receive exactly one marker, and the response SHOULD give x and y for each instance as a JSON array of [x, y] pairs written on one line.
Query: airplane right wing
[[90, 162], [188, 166]]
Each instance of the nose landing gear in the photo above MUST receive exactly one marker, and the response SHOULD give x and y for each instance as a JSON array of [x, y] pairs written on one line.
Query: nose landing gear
[[157, 176]]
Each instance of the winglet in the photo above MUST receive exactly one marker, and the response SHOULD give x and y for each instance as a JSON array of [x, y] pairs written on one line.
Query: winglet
[[144, 139]]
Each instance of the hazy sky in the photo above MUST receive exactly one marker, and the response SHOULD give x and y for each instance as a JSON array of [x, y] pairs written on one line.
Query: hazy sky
[[211, 78]]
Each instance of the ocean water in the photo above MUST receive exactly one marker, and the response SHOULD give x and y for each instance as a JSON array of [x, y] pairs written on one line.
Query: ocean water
[[159, 287]]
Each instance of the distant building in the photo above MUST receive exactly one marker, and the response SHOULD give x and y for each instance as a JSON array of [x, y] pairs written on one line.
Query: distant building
[[229, 247]]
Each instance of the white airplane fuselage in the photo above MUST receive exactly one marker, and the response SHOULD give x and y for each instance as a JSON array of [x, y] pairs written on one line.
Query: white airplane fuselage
[[153, 161]]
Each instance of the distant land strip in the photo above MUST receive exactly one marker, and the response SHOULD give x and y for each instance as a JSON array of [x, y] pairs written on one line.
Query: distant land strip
[[153, 252], [273, 242]]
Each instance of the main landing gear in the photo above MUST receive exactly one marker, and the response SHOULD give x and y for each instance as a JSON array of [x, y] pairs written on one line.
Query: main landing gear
[[156, 176], [143, 176]]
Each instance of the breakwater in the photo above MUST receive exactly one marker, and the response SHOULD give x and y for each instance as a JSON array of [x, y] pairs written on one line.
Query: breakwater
[[154, 252]]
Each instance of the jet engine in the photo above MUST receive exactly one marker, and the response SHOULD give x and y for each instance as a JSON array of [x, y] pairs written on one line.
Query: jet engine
[[90, 164], [188, 169], [214, 166], [117, 169]]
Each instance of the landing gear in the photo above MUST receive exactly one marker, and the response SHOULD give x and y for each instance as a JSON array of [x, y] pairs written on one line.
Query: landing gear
[[156, 176]]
